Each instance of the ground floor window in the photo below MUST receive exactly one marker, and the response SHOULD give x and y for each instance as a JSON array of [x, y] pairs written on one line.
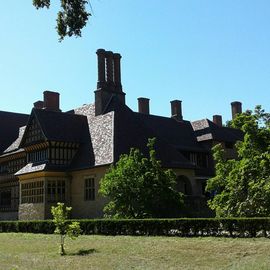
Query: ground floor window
[[56, 190], [203, 187], [183, 185], [32, 192], [5, 198], [89, 189]]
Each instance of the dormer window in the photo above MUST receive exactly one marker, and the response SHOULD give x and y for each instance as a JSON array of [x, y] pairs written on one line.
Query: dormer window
[[37, 156]]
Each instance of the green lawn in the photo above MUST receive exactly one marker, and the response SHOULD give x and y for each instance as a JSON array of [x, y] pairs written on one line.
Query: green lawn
[[36, 251]]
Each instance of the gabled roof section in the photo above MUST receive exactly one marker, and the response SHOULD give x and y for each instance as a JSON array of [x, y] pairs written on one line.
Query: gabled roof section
[[58, 126], [207, 130], [10, 124], [33, 132], [99, 149]]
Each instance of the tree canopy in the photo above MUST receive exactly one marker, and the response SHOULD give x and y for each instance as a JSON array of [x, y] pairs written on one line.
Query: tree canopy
[[72, 17], [138, 187], [242, 186]]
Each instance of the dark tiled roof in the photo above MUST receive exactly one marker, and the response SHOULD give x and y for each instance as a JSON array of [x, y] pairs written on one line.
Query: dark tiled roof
[[132, 130], [105, 137], [207, 130], [61, 127], [180, 134], [9, 131], [31, 168], [15, 145], [99, 150], [115, 132]]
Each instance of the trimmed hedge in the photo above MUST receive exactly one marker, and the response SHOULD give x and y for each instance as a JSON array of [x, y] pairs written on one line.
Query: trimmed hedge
[[187, 227]]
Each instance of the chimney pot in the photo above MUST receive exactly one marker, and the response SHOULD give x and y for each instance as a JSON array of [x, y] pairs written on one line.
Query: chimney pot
[[143, 105], [101, 67], [39, 104], [236, 108], [117, 71], [51, 101], [217, 119], [109, 67], [176, 110]]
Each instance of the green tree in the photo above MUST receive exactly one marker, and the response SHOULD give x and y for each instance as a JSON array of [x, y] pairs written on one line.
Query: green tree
[[242, 186], [138, 187], [72, 17], [63, 227]]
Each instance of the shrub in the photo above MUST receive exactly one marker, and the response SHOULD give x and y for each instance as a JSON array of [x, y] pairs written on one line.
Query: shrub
[[184, 227]]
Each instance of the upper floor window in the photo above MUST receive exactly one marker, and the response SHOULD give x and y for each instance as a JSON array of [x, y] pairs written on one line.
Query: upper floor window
[[199, 159], [12, 166], [41, 155], [34, 133], [89, 189]]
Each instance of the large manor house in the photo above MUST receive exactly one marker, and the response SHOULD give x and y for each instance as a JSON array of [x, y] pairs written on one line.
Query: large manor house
[[51, 156]]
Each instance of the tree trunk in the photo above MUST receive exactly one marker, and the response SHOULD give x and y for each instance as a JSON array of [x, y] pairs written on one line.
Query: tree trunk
[[62, 249]]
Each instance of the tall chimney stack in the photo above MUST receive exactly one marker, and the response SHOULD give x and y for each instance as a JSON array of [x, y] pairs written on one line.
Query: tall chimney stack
[[217, 119], [51, 101], [236, 108], [176, 110], [109, 80], [143, 105]]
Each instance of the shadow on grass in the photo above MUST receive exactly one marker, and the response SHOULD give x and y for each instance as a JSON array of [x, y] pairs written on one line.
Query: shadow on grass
[[83, 252]]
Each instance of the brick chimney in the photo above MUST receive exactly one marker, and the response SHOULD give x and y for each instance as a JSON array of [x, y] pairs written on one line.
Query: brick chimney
[[39, 104], [217, 119], [236, 108], [51, 101], [143, 105], [176, 109], [109, 80]]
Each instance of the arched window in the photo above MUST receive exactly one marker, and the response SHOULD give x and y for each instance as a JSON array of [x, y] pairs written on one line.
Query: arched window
[[183, 185]]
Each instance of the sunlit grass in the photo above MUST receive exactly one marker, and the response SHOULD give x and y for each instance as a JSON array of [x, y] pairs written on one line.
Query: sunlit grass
[[36, 251]]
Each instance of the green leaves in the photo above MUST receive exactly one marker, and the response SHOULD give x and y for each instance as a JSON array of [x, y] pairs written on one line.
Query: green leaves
[[62, 226], [139, 187], [72, 17], [41, 3], [242, 186]]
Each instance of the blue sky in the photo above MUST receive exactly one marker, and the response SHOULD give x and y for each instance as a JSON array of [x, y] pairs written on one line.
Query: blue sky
[[205, 53]]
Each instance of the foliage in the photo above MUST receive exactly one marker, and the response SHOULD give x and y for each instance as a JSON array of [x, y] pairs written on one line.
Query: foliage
[[138, 187], [242, 186], [60, 214], [72, 17], [37, 226], [182, 227]]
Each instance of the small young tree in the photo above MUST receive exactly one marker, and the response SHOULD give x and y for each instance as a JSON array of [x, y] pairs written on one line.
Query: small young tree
[[138, 187], [60, 215]]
